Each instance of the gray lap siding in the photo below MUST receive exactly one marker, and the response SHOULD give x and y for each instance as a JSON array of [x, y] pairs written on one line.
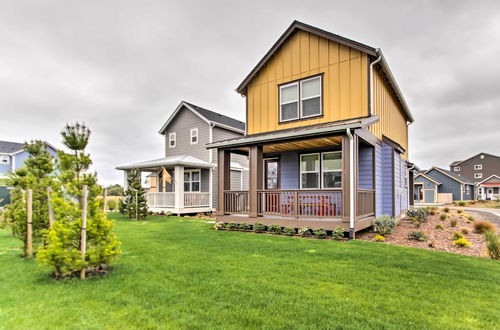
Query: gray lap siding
[[448, 185]]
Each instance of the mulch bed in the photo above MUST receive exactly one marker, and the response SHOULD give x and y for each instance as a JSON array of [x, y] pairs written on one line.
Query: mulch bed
[[440, 238]]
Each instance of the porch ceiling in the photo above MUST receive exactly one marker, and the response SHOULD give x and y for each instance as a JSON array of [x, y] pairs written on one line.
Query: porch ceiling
[[304, 144]]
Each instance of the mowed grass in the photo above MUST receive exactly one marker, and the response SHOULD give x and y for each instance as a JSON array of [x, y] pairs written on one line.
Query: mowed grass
[[178, 273]]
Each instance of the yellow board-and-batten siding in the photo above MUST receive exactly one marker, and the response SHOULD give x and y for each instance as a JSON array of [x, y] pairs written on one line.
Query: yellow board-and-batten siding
[[345, 74], [345, 82], [392, 123]]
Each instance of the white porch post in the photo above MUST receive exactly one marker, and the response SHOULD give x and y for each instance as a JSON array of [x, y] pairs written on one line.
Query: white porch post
[[125, 180], [179, 187]]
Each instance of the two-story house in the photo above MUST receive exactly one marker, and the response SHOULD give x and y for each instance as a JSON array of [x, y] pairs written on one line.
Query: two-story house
[[327, 136], [484, 170], [12, 157], [188, 165]]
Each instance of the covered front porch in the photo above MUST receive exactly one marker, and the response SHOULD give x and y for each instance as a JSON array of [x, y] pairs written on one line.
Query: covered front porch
[[177, 184], [319, 180]]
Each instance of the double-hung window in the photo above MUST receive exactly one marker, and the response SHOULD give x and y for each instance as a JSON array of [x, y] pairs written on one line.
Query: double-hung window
[[192, 180], [478, 166], [4, 160], [478, 175], [321, 170], [300, 99], [172, 140], [331, 168], [194, 136], [456, 169]]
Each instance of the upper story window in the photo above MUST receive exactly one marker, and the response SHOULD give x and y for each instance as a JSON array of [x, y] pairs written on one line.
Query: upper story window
[[300, 99], [478, 175], [482, 156], [4, 160], [456, 169], [478, 167], [194, 136], [172, 140]]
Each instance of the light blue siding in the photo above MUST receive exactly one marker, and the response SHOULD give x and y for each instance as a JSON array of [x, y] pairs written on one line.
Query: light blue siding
[[429, 196], [5, 168], [289, 171], [448, 185], [397, 183], [387, 180], [428, 184], [378, 180], [365, 167]]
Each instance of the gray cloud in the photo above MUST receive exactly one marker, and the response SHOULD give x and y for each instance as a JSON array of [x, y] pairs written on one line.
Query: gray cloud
[[123, 66]]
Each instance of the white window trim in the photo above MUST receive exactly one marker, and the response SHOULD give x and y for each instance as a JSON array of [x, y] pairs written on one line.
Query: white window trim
[[172, 137], [318, 171], [323, 171], [296, 83], [191, 135], [478, 166], [191, 180], [456, 169], [312, 97], [5, 160], [478, 175], [300, 99]]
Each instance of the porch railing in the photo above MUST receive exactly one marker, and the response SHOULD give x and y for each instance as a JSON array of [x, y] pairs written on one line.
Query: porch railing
[[194, 199], [300, 203], [236, 202], [160, 199], [366, 203]]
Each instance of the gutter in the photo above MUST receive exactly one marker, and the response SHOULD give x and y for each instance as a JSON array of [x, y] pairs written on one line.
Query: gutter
[[351, 184]]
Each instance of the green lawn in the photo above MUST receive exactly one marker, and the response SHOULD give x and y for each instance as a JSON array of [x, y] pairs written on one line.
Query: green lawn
[[178, 273]]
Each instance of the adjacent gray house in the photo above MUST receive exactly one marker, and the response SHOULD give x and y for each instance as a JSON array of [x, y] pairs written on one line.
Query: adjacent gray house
[[190, 165], [438, 185]]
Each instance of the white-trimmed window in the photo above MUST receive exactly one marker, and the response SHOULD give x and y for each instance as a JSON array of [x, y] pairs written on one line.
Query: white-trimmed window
[[478, 167], [300, 99], [456, 169], [309, 171], [478, 175], [194, 136], [482, 156], [4, 160], [331, 169], [192, 180], [172, 139]]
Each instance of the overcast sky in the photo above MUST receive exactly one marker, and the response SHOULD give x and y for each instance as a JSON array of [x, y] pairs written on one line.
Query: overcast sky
[[123, 66]]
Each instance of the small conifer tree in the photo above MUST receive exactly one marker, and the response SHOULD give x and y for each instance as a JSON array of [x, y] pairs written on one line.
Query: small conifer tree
[[134, 202]]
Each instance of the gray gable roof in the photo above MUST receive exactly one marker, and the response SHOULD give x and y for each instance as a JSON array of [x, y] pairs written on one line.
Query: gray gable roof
[[458, 162], [218, 118], [7, 147], [455, 176]]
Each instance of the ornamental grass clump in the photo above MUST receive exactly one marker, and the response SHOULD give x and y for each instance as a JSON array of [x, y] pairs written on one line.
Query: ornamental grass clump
[[453, 222], [443, 217], [439, 226], [456, 235], [465, 230], [483, 226], [492, 244], [446, 209], [417, 235], [384, 225]]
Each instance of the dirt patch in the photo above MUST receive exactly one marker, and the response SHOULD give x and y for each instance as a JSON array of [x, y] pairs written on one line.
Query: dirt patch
[[437, 239]]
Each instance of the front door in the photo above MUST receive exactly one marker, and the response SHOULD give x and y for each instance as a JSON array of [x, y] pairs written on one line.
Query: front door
[[271, 168], [489, 195]]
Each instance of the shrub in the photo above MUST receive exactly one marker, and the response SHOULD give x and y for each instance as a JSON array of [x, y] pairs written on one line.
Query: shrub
[[244, 226], [419, 213], [219, 226], [453, 222], [492, 244], [232, 226], [460, 211], [461, 203], [432, 212], [461, 242], [379, 238], [482, 226], [417, 235], [338, 233], [320, 233], [384, 225], [305, 231], [433, 208], [112, 205], [439, 226], [471, 218], [465, 230], [289, 231], [446, 209], [456, 235], [443, 217], [275, 229], [432, 243], [259, 227]]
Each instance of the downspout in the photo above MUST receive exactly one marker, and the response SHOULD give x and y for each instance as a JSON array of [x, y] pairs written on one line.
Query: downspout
[[408, 188], [351, 184], [371, 80]]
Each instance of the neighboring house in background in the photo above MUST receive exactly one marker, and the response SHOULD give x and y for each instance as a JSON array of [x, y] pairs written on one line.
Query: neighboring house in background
[[327, 137], [478, 169], [12, 157], [188, 162], [489, 188], [438, 185]]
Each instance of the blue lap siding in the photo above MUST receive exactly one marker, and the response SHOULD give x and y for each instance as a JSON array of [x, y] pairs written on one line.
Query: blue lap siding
[[387, 180], [448, 185]]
